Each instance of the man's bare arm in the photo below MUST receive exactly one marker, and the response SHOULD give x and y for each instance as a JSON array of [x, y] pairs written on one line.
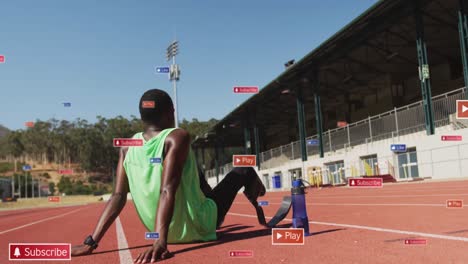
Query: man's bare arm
[[117, 201], [177, 146], [113, 207]]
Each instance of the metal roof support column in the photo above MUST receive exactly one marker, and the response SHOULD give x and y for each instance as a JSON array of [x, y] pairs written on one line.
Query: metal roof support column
[[463, 31], [203, 158], [318, 114], [216, 162], [424, 71], [257, 144], [221, 155], [301, 122], [247, 143], [196, 151]]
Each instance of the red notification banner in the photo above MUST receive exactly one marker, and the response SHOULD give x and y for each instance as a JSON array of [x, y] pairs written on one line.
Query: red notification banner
[[245, 89], [29, 124], [147, 104], [65, 171], [39, 251], [462, 109], [365, 182], [287, 236], [241, 253], [415, 241], [128, 142], [341, 124], [244, 160], [54, 199], [451, 138], [454, 204]]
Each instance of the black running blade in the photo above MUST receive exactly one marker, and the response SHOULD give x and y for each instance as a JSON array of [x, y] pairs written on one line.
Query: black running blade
[[279, 216], [282, 211]]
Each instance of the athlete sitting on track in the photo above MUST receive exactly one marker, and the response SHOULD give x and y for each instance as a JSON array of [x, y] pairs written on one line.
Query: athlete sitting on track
[[170, 196]]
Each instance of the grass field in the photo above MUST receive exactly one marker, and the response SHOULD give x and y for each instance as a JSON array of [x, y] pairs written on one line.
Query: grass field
[[43, 202]]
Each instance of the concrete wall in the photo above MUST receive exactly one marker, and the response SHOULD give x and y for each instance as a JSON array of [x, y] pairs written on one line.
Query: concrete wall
[[436, 158]]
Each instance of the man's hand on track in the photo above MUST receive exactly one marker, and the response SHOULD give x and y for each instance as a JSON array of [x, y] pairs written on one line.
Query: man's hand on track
[[81, 250], [157, 251]]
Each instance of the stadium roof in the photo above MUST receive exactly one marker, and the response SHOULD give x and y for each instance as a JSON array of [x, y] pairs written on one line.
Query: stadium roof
[[378, 46]]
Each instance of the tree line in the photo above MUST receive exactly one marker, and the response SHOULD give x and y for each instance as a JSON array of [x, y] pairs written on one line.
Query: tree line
[[81, 142]]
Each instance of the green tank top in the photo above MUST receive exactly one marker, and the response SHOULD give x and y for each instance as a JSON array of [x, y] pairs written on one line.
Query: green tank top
[[194, 217]]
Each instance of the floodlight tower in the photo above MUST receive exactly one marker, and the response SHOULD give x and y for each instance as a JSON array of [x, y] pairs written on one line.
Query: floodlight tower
[[174, 74]]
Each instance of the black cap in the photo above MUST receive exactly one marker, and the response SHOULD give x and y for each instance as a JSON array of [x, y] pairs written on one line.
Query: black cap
[[153, 104]]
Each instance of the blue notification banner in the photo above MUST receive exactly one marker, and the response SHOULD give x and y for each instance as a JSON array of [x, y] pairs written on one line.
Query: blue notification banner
[[263, 203], [27, 167], [155, 160], [313, 142], [67, 104], [151, 235], [162, 69], [398, 147]]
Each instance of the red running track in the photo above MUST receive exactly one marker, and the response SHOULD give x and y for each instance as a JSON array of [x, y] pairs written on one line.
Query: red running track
[[348, 226]]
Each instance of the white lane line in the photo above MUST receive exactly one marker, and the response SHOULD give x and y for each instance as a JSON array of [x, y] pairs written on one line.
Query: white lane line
[[391, 187], [377, 229], [124, 253], [383, 196], [385, 191], [318, 196], [367, 204], [5, 211], [358, 204], [396, 231], [39, 221]]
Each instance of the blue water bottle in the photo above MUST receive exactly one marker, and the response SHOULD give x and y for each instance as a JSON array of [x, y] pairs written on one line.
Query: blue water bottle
[[300, 219]]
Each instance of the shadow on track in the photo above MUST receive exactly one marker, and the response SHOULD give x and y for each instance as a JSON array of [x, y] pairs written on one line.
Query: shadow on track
[[225, 236], [230, 237]]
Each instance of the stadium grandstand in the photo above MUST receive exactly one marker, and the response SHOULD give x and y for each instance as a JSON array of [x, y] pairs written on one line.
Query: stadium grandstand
[[392, 75]]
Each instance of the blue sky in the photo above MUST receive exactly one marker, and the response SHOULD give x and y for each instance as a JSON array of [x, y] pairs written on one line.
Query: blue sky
[[100, 55]]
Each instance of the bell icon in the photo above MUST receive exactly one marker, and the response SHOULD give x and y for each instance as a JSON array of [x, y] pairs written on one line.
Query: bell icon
[[352, 182], [117, 142], [17, 252]]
